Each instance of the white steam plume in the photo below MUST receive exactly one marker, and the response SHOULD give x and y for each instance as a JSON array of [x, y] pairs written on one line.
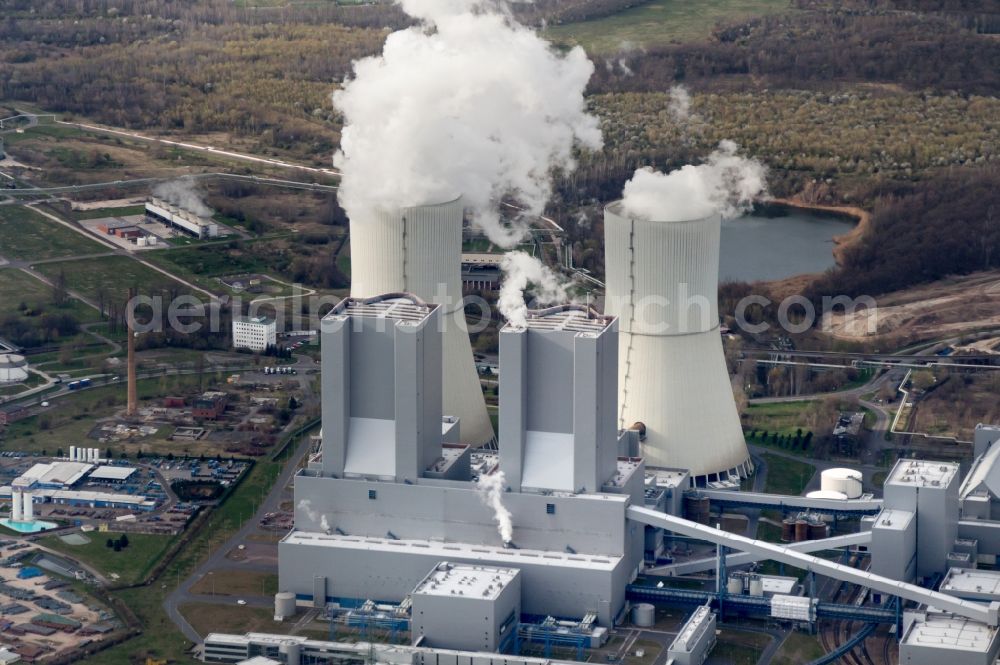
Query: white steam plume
[[471, 103], [726, 184], [680, 104], [520, 270], [183, 193], [491, 488], [306, 505]]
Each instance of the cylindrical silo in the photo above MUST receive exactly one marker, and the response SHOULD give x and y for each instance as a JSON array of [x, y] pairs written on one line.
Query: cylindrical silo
[[28, 509], [756, 585], [662, 283], [418, 250], [735, 585], [16, 507], [643, 615], [846, 481], [72, 453], [284, 605]]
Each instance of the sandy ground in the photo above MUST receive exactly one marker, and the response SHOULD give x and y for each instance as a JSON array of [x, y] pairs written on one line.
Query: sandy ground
[[947, 306], [59, 640]]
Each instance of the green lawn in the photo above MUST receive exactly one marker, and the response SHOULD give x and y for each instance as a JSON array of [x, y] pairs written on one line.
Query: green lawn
[[111, 273], [660, 22], [29, 236], [786, 476], [739, 647], [17, 287], [98, 213], [798, 648], [131, 564]]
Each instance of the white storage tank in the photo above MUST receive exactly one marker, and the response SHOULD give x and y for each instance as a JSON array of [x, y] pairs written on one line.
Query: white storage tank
[[735, 585], [284, 605], [846, 481], [643, 615], [756, 585]]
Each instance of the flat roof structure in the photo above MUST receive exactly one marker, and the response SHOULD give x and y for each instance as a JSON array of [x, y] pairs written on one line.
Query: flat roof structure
[[895, 519], [949, 632], [112, 472], [667, 478], [451, 579], [574, 318], [922, 473], [55, 473], [693, 629], [445, 550], [393, 306], [971, 583]]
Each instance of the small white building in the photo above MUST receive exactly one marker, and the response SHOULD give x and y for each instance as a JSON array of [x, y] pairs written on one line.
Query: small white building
[[695, 640], [254, 333]]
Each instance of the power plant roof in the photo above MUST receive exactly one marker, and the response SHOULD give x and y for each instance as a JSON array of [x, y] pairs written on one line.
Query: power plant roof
[[922, 473], [393, 306], [574, 318], [451, 579], [449, 550], [946, 631]]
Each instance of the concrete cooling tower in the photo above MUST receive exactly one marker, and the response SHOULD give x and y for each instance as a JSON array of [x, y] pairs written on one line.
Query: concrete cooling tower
[[662, 283], [418, 250]]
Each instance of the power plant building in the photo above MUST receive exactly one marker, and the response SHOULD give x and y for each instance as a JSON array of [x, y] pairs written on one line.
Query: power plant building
[[662, 284], [389, 500], [418, 250], [182, 219]]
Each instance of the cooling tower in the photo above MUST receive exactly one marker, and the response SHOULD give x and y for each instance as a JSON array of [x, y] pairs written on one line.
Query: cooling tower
[[662, 283], [418, 250]]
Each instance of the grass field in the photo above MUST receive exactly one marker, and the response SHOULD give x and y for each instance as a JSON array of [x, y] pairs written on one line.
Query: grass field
[[131, 564], [112, 273], [29, 236], [798, 648], [660, 22], [237, 583], [782, 417], [232, 618], [739, 647], [98, 213], [17, 287], [786, 476]]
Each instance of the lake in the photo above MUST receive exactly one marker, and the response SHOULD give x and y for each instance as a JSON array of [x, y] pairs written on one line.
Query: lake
[[765, 248]]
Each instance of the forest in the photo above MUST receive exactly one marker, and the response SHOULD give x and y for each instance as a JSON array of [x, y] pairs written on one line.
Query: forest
[[877, 103]]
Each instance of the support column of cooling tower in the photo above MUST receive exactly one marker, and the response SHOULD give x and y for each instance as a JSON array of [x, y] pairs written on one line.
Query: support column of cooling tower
[[662, 283], [16, 510], [28, 510], [418, 250], [133, 400]]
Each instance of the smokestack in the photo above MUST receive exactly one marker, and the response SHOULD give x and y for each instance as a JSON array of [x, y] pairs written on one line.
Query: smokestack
[[662, 283], [133, 400], [418, 250]]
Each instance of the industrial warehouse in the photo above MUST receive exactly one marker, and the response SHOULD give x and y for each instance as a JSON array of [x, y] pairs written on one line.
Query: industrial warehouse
[[554, 537]]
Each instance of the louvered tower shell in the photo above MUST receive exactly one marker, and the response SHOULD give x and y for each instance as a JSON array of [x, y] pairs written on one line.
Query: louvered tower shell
[[418, 250], [662, 283]]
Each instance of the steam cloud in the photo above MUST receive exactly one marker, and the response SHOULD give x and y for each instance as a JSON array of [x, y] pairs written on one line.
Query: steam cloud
[[680, 104], [491, 488], [184, 194], [306, 505], [520, 270], [469, 102], [726, 184]]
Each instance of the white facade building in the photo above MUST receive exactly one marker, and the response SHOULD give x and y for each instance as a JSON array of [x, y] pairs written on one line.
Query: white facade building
[[256, 333]]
